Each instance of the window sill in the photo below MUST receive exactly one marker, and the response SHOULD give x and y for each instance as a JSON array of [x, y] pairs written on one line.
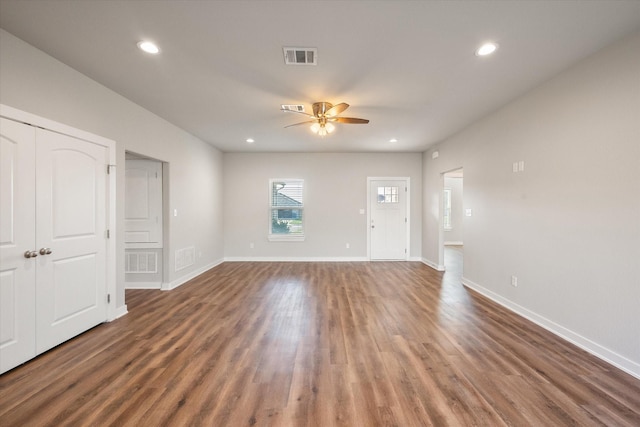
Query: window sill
[[285, 238]]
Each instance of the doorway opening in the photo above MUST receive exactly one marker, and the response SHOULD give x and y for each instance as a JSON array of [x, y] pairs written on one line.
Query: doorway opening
[[144, 222], [452, 222]]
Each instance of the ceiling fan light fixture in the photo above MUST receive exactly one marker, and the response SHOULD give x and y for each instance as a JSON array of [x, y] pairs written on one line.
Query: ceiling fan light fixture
[[323, 129]]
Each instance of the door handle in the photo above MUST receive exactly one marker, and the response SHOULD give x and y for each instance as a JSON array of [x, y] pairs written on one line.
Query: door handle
[[373, 226], [45, 251], [30, 254]]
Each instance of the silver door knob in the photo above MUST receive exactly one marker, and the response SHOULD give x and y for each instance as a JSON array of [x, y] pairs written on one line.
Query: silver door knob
[[373, 226], [30, 254], [45, 251]]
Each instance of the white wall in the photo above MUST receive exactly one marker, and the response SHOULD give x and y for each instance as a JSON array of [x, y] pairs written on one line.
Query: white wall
[[335, 191], [456, 234], [568, 226], [34, 82]]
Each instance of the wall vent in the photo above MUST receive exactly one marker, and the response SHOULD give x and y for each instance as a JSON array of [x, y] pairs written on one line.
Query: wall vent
[[291, 107], [141, 262], [185, 257], [300, 55]]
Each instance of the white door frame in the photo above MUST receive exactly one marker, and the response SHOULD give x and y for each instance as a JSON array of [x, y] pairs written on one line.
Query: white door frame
[[407, 181], [11, 113]]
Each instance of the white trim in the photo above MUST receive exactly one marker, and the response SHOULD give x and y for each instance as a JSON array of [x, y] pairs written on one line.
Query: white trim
[[110, 145], [453, 243], [285, 237], [167, 286], [296, 259], [407, 181], [433, 265], [414, 259], [118, 313], [142, 285], [619, 361]]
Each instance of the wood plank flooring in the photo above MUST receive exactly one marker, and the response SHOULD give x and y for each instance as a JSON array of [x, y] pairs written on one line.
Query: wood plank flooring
[[317, 344]]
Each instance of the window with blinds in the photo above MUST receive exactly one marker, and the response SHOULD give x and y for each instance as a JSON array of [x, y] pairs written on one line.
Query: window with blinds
[[286, 213]]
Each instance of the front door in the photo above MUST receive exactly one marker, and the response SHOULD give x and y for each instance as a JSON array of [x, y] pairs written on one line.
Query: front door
[[71, 180], [388, 223]]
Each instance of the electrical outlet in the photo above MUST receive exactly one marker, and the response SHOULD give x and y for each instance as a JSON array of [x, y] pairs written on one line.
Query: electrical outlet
[[251, 246], [347, 246], [514, 281]]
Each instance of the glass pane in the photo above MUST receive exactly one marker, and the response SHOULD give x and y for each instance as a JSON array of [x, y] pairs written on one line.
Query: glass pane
[[286, 193], [286, 221], [447, 209], [388, 195]]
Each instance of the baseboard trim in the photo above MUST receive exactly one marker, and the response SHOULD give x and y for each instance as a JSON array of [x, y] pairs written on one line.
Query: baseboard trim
[[296, 259], [142, 285], [119, 312], [432, 264], [167, 286], [620, 362]]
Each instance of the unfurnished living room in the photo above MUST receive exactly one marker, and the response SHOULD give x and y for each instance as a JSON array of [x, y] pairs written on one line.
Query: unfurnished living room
[[319, 213]]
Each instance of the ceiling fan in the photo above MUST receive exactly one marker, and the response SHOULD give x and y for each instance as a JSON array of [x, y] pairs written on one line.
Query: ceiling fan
[[324, 116]]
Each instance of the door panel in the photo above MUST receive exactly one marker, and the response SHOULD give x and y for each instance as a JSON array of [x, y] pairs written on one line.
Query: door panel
[[17, 235], [388, 228], [143, 204], [70, 201]]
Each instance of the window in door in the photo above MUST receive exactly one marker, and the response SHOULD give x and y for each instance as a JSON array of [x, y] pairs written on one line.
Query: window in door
[[286, 213], [387, 194]]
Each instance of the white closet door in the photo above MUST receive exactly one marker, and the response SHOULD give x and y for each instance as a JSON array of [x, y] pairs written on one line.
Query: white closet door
[[143, 204], [17, 235], [71, 181]]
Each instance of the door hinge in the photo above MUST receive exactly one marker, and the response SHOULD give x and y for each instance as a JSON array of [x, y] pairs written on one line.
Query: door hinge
[[109, 168], [405, 220], [108, 234], [108, 298], [405, 251], [156, 175]]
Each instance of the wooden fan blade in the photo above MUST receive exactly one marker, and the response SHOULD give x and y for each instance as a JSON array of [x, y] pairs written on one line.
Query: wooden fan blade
[[298, 112], [302, 123], [336, 109], [351, 120]]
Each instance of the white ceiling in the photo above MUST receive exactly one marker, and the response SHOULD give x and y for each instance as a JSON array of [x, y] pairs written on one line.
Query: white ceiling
[[408, 66]]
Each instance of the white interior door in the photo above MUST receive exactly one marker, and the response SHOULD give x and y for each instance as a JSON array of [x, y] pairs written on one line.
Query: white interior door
[[71, 180], [143, 204], [388, 227], [17, 235]]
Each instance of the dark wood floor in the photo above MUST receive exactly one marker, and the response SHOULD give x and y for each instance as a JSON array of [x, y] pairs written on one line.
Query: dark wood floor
[[323, 344]]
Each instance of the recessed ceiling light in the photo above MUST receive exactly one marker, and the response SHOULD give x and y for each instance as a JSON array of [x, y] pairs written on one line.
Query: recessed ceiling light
[[250, 140], [148, 47], [486, 49], [393, 140]]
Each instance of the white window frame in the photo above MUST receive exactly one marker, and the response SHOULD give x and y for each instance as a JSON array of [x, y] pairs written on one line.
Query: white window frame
[[446, 209], [285, 237]]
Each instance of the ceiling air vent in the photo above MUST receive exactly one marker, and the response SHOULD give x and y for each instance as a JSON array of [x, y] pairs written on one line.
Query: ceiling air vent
[[300, 55], [296, 108]]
